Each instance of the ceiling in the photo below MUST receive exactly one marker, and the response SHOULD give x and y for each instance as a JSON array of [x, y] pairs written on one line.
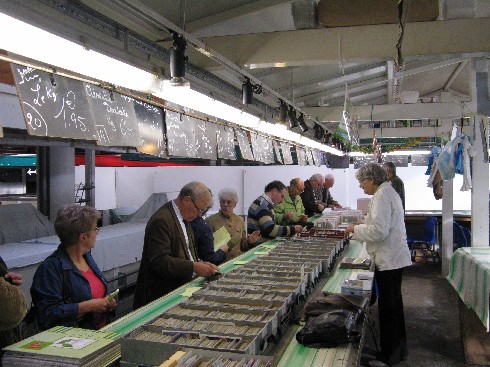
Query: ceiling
[[312, 69]]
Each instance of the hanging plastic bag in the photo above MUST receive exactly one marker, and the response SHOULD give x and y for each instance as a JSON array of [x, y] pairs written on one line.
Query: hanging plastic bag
[[445, 160]]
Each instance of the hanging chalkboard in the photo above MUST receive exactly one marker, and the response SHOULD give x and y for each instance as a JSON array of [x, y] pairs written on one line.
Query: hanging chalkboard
[[318, 156], [180, 135], [300, 153], [286, 153], [362, 160], [226, 142], [206, 139], [419, 160], [66, 108], [242, 138], [114, 117], [52, 105], [268, 150], [398, 160], [256, 147], [337, 161], [277, 151], [151, 126]]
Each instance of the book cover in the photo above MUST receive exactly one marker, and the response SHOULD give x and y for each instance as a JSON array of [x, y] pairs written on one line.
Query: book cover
[[65, 343]]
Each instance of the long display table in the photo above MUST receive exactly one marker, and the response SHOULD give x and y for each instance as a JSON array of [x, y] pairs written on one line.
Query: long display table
[[470, 277]]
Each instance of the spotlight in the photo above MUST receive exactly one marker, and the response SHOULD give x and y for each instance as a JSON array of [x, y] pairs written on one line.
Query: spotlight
[[248, 89], [326, 138], [302, 123], [293, 121], [283, 110], [247, 92], [319, 132], [177, 61]]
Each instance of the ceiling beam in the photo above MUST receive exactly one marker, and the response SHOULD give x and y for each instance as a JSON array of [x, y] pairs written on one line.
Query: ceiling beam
[[406, 132], [353, 44], [337, 92], [428, 67], [416, 111], [300, 90], [252, 7]]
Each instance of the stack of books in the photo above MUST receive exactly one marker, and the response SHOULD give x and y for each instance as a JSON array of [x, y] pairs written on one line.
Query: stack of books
[[355, 263], [64, 346]]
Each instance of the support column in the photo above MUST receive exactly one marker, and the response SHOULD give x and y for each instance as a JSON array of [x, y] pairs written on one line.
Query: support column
[[42, 183], [480, 169], [90, 177], [447, 226], [61, 178]]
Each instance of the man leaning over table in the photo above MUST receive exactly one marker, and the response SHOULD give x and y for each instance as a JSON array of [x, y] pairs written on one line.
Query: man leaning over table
[[169, 257], [292, 210]]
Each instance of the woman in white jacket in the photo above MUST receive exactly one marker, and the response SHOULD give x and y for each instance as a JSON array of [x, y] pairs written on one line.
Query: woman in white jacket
[[386, 242]]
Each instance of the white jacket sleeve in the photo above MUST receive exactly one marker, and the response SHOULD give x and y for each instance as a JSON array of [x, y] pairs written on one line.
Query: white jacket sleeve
[[377, 226]]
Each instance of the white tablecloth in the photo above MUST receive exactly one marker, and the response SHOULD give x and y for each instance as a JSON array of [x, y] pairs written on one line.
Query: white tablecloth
[[117, 245], [470, 276]]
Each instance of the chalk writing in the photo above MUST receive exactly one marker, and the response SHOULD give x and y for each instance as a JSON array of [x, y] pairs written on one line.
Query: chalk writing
[[52, 105]]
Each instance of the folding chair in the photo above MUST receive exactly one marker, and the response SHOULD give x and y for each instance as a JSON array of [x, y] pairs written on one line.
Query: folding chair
[[461, 236], [426, 243]]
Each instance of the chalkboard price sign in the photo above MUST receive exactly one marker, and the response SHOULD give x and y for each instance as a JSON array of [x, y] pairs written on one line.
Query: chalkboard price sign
[[61, 107], [151, 126], [114, 117], [52, 105]]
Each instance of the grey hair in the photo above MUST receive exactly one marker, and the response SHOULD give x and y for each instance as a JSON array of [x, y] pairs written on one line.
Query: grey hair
[[373, 171], [228, 192], [329, 177], [197, 190], [317, 178], [390, 166], [72, 220]]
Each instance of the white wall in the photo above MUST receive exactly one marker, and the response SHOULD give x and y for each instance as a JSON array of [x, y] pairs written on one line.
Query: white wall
[[417, 195], [118, 187]]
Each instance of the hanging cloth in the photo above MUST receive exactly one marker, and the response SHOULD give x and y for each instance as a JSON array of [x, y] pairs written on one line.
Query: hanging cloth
[[468, 151]]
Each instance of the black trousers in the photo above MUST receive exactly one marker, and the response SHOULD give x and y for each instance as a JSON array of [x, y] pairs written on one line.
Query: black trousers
[[393, 338]]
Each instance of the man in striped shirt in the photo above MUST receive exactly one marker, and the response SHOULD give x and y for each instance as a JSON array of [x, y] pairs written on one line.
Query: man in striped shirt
[[261, 214]]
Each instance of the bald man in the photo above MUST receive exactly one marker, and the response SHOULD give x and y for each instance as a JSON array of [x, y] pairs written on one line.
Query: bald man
[[291, 210], [327, 199], [310, 197]]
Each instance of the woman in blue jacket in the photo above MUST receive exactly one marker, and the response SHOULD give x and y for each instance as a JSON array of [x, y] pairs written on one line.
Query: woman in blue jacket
[[68, 288]]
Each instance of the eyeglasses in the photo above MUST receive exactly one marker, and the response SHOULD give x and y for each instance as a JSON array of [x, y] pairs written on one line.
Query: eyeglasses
[[226, 202], [202, 211], [96, 229]]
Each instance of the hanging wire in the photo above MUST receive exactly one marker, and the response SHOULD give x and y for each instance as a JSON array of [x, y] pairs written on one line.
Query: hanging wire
[[182, 14], [403, 6]]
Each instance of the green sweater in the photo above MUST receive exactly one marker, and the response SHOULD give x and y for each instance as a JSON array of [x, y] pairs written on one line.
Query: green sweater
[[287, 205]]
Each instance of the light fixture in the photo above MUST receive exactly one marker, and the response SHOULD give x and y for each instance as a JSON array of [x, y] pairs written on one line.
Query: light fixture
[[37, 44], [293, 121], [327, 137], [248, 90], [177, 61], [319, 132], [283, 111], [302, 123]]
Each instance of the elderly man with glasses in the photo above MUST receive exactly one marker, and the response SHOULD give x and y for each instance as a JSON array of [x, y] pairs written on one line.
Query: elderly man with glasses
[[292, 210], [170, 257]]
